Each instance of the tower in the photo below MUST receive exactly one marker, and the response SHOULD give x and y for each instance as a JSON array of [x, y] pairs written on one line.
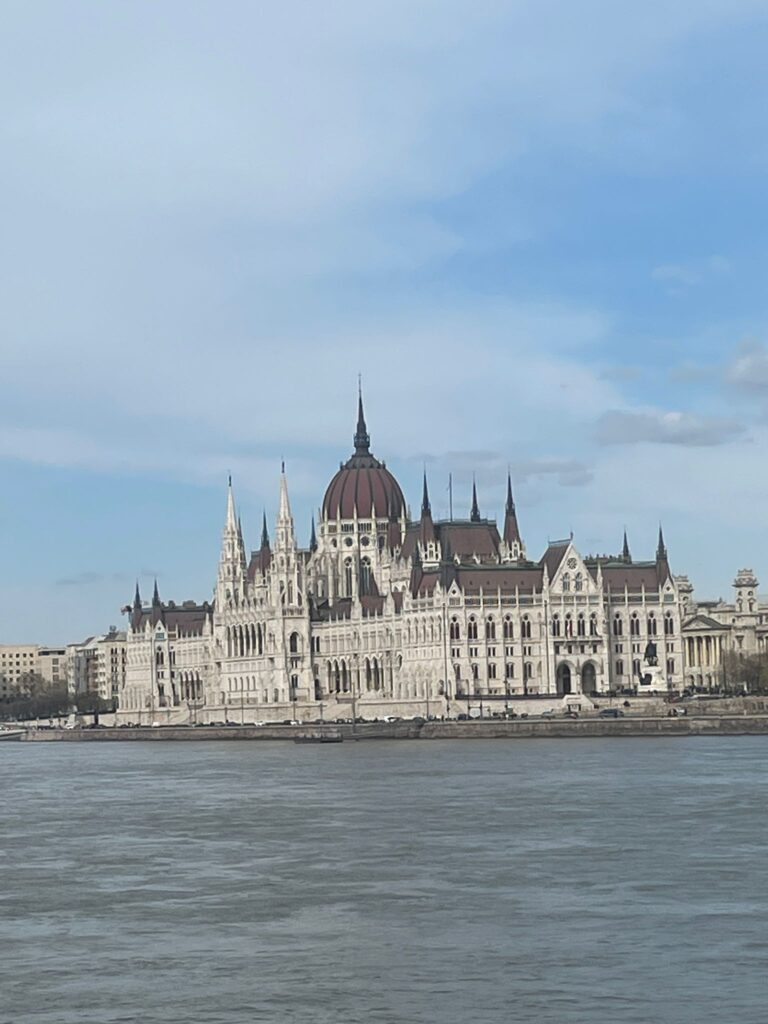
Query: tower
[[230, 581]]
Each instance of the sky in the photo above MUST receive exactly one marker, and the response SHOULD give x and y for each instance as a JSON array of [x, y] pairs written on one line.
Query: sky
[[537, 229]]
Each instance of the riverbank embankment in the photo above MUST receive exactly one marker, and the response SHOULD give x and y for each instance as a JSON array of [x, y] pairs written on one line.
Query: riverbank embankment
[[690, 725]]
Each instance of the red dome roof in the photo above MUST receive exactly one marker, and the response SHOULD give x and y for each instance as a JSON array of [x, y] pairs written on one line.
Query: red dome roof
[[366, 488], [363, 486]]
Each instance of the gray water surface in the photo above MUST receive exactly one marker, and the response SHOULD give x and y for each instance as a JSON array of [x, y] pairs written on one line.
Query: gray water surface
[[564, 881]]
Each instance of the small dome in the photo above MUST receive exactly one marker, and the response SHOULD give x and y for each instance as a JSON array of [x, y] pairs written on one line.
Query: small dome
[[363, 486]]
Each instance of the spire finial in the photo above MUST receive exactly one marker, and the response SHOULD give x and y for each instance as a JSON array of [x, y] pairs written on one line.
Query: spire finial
[[362, 438], [510, 500], [137, 597], [475, 513], [264, 531], [625, 549], [426, 508], [156, 594]]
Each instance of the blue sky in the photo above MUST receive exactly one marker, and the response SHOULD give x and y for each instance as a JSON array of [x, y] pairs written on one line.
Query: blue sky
[[536, 228]]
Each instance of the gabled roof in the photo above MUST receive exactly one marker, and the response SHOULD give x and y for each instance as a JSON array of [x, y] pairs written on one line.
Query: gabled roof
[[704, 622], [554, 555]]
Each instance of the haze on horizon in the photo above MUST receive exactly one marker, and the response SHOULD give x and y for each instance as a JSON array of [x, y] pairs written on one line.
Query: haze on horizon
[[536, 229]]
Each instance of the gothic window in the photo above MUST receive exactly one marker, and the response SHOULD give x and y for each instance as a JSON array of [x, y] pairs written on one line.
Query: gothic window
[[509, 670], [348, 577], [566, 581], [634, 625], [651, 625], [619, 668], [556, 625], [618, 626], [568, 625], [527, 671], [593, 625], [670, 666], [508, 628], [293, 643], [581, 626], [669, 624], [525, 628], [475, 672], [365, 576], [636, 667], [472, 629], [490, 630], [492, 670], [577, 583], [455, 630]]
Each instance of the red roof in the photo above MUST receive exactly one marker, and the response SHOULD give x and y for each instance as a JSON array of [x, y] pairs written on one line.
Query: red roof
[[363, 486]]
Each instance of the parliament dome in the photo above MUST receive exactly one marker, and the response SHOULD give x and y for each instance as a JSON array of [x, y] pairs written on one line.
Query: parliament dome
[[363, 487]]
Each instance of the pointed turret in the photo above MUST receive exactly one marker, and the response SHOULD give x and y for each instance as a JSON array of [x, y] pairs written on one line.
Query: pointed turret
[[232, 561], [362, 437], [427, 537], [625, 553], [662, 560], [474, 515], [137, 598], [511, 537], [313, 537], [264, 532], [155, 595], [661, 548], [284, 536]]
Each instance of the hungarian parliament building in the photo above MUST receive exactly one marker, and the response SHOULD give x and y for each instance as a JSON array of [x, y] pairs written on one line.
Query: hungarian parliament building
[[387, 615]]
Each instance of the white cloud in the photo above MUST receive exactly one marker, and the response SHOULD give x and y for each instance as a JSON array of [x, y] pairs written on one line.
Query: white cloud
[[655, 426]]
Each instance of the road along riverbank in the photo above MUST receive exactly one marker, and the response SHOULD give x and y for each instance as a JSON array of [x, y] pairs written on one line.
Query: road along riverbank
[[690, 725]]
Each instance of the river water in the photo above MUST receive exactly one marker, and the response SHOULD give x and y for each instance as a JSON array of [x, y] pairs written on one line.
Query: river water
[[565, 881]]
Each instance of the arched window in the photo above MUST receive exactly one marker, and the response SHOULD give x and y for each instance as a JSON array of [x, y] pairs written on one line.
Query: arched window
[[568, 625], [593, 625], [472, 629], [669, 624], [619, 668], [581, 626], [475, 673], [528, 671], [651, 624], [293, 643], [566, 581], [634, 625], [618, 626], [636, 667], [556, 625], [578, 583], [348, 577], [490, 629], [525, 628], [366, 577], [455, 630], [509, 632]]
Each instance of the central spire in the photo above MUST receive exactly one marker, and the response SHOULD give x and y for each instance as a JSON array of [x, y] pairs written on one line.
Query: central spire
[[474, 515], [362, 438]]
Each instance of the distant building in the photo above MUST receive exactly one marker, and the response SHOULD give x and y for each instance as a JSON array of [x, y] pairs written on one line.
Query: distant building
[[712, 629], [387, 614], [18, 664], [98, 665]]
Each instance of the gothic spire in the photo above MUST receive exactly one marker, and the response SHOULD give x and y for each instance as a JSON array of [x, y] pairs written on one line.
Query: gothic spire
[[284, 510], [661, 549], [137, 598], [362, 437], [313, 537], [474, 515], [511, 529], [625, 550], [155, 595], [264, 531], [231, 514], [426, 508]]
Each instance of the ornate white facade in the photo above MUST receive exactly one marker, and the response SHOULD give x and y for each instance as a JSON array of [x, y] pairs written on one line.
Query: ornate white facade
[[382, 615]]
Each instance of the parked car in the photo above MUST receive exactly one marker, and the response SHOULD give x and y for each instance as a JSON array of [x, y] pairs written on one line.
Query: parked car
[[548, 713], [610, 713], [571, 714]]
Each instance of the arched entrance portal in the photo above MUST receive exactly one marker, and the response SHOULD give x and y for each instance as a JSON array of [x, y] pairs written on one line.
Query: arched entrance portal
[[588, 679], [564, 680]]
